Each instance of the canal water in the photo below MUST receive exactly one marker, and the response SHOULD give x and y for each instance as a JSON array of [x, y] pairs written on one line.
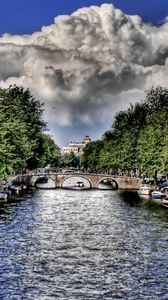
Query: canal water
[[83, 245]]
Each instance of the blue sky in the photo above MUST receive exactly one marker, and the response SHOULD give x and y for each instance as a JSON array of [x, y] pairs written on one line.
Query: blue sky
[[27, 16]]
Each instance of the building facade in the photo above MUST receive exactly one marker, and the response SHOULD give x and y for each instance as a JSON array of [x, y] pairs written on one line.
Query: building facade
[[76, 147]]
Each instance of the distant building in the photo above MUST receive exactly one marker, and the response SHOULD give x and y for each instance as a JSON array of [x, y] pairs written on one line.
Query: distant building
[[76, 147], [86, 139]]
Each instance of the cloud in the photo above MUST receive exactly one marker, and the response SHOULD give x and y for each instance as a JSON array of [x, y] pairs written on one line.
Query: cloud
[[87, 66]]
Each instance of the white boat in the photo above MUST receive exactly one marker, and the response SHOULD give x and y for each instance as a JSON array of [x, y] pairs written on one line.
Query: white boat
[[145, 189], [158, 195], [80, 184], [3, 195]]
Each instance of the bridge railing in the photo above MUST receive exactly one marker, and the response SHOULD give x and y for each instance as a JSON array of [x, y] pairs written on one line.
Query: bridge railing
[[42, 172]]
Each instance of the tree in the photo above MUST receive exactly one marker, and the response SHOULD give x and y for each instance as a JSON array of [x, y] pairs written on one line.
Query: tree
[[23, 143], [152, 144], [46, 152], [156, 100], [90, 158], [15, 147], [138, 138]]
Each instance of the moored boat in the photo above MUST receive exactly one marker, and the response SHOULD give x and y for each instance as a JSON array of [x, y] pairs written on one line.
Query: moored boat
[[3, 196], [145, 189], [16, 189], [79, 186], [158, 195]]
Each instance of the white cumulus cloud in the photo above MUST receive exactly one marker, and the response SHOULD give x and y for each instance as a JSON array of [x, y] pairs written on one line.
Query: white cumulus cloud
[[86, 66]]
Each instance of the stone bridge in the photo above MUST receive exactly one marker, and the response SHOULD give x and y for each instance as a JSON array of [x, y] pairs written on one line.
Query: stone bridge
[[58, 179]]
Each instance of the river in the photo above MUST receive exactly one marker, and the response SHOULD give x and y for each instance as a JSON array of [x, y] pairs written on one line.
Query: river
[[83, 245]]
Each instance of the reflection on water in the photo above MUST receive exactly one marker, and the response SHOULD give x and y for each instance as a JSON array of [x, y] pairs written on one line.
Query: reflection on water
[[61, 244]]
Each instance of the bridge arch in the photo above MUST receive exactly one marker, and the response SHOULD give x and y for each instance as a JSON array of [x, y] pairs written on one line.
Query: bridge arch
[[45, 182], [107, 183], [72, 181]]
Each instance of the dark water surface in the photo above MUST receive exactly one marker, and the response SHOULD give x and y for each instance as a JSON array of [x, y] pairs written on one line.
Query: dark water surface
[[68, 245]]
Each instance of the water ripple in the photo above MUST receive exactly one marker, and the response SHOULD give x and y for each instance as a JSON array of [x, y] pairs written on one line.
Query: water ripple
[[70, 245]]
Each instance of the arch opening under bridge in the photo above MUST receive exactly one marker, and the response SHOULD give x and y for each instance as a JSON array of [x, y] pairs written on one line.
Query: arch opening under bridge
[[45, 182], [107, 184], [76, 182]]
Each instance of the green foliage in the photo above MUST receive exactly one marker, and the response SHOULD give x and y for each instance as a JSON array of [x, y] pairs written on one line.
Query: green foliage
[[156, 100], [90, 158], [17, 103], [45, 153], [152, 145], [138, 139], [15, 147], [22, 140], [70, 160]]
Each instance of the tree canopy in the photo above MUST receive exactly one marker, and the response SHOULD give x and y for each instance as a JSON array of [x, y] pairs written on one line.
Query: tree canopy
[[23, 143], [138, 139]]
